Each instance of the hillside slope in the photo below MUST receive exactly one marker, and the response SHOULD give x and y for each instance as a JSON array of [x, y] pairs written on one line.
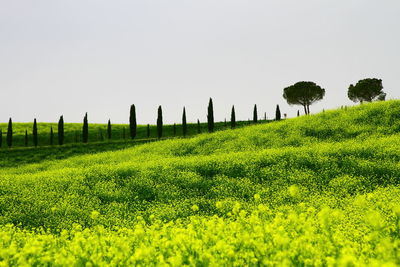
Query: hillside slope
[[316, 190]]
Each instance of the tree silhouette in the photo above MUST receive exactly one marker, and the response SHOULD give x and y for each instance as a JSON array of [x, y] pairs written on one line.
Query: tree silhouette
[[9, 133], [159, 122], [85, 129], [132, 121], [255, 116], [210, 116], [35, 133], [26, 138], [277, 113], [109, 132], [184, 124], [61, 131], [303, 93], [51, 136], [233, 117], [298, 113], [366, 90], [198, 126]]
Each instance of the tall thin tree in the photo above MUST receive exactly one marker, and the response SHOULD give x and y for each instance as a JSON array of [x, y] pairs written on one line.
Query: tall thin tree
[[198, 126], [109, 131], [35, 133], [132, 122], [210, 116], [26, 138], [9, 133], [60, 132], [298, 113], [184, 123], [51, 136], [148, 130], [85, 129], [233, 118], [159, 122], [277, 113], [255, 116], [265, 116]]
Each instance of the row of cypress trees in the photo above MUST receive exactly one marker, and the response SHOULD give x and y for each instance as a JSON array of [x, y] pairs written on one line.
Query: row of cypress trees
[[132, 126]]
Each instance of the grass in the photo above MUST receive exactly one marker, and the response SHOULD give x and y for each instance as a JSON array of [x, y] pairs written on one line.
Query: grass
[[98, 132], [316, 190]]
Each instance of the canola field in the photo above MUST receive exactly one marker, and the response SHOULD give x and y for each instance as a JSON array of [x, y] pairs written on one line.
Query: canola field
[[319, 190]]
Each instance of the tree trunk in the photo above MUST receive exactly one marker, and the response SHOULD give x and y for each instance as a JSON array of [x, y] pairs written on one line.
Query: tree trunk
[[305, 109]]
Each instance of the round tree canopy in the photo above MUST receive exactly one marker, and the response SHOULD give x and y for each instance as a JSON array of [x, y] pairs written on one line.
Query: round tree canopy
[[366, 90], [303, 93]]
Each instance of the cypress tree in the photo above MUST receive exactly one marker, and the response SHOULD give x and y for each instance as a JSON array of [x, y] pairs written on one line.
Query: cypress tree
[[198, 126], [85, 129], [35, 133], [26, 138], [101, 138], [1, 138], [159, 122], [210, 116], [277, 113], [51, 136], [298, 113], [132, 121], [9, 133], [109, 132], [174, 128], [255, 116], [233, 118], [148, 130], [61, 131], [184, 124]]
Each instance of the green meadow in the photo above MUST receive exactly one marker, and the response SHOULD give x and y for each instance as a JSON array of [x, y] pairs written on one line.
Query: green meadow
[[318, 190]]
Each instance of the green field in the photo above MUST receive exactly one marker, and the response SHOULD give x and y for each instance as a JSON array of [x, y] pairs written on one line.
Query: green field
[[318, 190], [98, 132]]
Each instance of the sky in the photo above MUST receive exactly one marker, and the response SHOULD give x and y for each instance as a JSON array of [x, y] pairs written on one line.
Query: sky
[[75, 56]]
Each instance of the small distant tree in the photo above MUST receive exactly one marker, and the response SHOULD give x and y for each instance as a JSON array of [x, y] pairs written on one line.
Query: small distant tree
[[265, 116], [26, 138], [277, 113], [61, 131], [298, 113], [210, 116], [225, 124], [255, 116], [159, 122], [198, 126], [101, 137], [184, 123], [366, 90], [1, 138], [148, 130], [35, 133], [109, 131], [132, 122], [233, 118], [85, 129], [51, 136], [303, 93], [9, 133]]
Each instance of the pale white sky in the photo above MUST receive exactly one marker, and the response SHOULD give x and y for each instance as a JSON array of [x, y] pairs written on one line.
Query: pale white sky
[[75, 56]]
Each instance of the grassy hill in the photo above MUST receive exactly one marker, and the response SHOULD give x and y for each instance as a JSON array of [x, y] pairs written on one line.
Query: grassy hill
[[315, 190], [98, 132]]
